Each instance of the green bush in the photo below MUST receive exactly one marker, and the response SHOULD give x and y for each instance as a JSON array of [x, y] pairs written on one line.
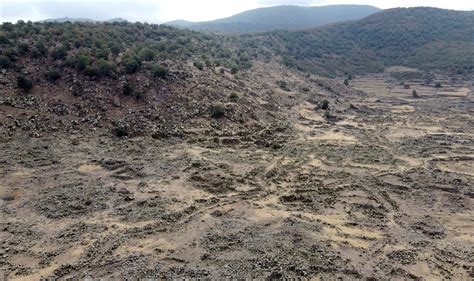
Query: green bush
[[4, 62], [234, 97], [4, 39], [127, 89], [106, 68], [59, 53], [24, 83], [53, 75], [414, 93], [120, 131], [217, 111], [199, 65], [147, 54], [324, 105], [159, 72], [23, 48], [438, 85], [283, 85], [91, 71], [131, 66], [80, 61]]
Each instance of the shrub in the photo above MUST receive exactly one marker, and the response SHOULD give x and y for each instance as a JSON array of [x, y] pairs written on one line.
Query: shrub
[[127, 89], [91, 71], [24, 83], [10, 53], [283, 85], [23, 48], [217, 111], [438, 85], [415, 95], [346, 82], [234, 97], [59, 53], [53, 75], [131, 66], [4, 62], [105, 68], [120, 131], [147, 54], [80, 61], [199, 65], [42, 50], [159, 72], [324, 105], [4, 39]]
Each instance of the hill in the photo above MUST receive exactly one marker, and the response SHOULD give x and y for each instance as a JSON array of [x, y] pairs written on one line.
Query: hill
[[418, 37], [281, 18]]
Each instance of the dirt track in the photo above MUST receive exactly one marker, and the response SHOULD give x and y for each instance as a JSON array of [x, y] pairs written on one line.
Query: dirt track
[[383, 188]]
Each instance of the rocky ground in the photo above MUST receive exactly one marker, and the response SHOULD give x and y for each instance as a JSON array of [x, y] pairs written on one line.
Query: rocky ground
[[381, 185]]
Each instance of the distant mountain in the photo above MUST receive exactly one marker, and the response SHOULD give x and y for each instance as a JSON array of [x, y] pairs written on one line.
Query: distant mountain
[[66, 19], [116, 20], [426, 38], [281, 18], [180, 23]]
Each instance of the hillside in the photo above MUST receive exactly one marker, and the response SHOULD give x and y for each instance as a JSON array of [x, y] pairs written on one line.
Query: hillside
[[134, 151], [281, 18], [418, 37]]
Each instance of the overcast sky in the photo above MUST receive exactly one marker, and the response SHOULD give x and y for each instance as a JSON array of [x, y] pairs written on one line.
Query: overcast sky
[[158, 11]]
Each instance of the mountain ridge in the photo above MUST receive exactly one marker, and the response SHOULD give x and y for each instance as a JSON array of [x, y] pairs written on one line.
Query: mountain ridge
[[286, 17]]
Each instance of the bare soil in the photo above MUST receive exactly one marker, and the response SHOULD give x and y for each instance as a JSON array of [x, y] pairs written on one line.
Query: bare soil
[[381, 188]]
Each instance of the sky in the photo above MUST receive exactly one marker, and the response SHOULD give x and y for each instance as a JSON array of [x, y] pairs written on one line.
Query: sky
[[159, 11]]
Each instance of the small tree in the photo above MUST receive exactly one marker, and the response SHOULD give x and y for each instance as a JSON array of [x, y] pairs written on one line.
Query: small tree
[[324, 105], [415, 95], [24, 83], [346, 82]]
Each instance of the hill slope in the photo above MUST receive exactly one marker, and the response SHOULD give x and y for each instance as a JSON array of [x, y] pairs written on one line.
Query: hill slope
[[417, 37], [281, 18]]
